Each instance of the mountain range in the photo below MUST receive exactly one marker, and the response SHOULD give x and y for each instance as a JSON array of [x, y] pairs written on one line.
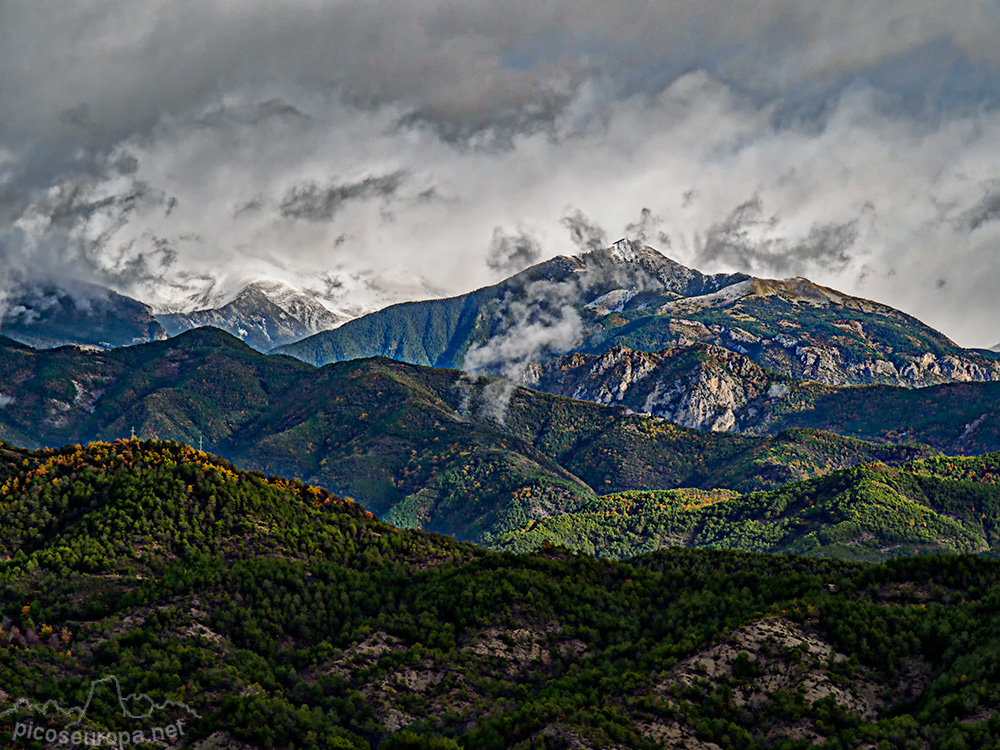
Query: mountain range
[[479, 456], [264, 313], [630, 295], [49, 314], [613, 405], [626, 295]]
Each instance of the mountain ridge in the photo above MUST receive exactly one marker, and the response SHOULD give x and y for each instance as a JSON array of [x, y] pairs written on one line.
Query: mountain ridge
[[868, 512], [631, 295]]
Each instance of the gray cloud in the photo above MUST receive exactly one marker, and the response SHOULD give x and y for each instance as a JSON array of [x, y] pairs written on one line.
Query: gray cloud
[[71, 232], [314, 202], [585, 234], [252, 113], [538, 322], [744, 241], [154, 147], [986, 210], [510, 253], [647, 230]]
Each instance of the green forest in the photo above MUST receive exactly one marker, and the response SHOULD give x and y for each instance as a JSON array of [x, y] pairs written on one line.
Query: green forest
[[287, 617]]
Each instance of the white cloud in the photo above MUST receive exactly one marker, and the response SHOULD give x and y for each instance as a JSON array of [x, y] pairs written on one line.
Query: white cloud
[[152, 147]]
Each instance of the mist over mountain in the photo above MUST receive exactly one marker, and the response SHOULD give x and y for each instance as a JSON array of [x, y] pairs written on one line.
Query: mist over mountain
[[48, 314], [531, 315]]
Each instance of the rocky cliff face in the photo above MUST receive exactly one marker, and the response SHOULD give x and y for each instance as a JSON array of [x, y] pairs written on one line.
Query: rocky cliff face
[[701, 386], [806, 331], [839, 360]]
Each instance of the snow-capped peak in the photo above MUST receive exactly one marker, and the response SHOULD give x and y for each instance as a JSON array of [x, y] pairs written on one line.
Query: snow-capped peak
[[626, 251]]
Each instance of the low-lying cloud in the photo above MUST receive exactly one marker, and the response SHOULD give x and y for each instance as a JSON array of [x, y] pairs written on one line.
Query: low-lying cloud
[[537, 323], [647, 230], [585, 233], [986, 210]]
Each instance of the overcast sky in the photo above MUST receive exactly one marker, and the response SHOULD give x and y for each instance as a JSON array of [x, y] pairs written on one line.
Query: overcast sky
[[163, 146]]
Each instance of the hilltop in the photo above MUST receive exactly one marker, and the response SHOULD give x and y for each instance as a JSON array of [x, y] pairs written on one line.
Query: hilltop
[[872, 512]]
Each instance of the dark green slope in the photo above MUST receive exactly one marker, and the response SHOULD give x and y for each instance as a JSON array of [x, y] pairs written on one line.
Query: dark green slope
[[263, 613], [958, 418], [870, 512], [420, 446], [435, 333], [204, 383]]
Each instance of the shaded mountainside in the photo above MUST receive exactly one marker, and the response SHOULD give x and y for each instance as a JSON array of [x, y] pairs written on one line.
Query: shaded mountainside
[[263, 314], [630, 295], [422, 447], [257, 612], [872, 512], [45, 315], [708, 387]]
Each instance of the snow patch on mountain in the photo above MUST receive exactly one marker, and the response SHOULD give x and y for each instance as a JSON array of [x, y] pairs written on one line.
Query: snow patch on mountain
[[356, 293], [264, 314], [613, 301], [725, 296]]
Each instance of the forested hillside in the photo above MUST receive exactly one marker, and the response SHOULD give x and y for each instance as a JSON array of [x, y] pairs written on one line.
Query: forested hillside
[[872, 512], [276, 615], [419, 446]]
